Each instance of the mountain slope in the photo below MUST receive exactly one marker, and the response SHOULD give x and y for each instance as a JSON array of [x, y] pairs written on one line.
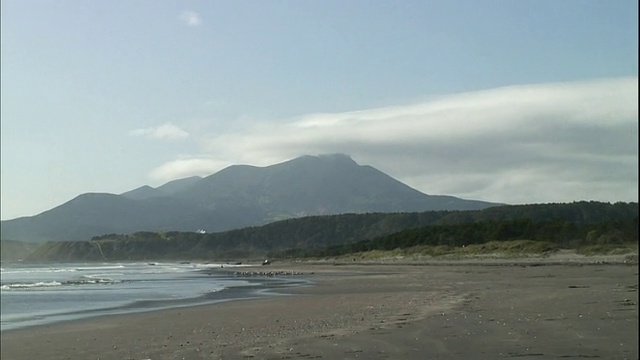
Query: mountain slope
[[317, 185], [12, 251], [168, 189], [235, 197]]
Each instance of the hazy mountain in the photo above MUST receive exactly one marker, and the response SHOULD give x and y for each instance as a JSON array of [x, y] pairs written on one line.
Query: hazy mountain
[[235, 197], [168, 189]]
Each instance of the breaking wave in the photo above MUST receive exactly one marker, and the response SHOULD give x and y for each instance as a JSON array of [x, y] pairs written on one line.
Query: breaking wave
[[49, 284]]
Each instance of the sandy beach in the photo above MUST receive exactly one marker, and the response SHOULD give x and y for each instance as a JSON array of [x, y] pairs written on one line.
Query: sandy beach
[[490, 309]]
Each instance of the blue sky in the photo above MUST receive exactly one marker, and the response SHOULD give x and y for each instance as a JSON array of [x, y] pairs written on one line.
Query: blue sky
[[509, 101]]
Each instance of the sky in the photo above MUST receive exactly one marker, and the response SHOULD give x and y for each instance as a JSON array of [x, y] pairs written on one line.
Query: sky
[[528, 101]]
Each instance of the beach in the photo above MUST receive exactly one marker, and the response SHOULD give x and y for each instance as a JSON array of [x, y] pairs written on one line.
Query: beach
[[482, 309]]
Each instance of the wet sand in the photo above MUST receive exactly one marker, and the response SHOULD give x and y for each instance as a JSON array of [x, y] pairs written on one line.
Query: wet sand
[[433, 310]]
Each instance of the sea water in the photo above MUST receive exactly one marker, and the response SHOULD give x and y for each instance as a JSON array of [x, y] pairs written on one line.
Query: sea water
[[43, 294]]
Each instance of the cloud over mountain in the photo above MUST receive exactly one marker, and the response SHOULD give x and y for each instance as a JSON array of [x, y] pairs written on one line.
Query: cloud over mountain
[[548, 142]]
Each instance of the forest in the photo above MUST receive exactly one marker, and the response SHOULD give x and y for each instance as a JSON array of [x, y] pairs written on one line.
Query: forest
[[551, 226]]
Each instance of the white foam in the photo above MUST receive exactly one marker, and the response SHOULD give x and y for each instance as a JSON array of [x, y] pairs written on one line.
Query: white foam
[[31, 285]]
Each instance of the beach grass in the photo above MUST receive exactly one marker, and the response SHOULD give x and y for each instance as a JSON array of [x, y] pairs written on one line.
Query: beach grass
[[522, 248]]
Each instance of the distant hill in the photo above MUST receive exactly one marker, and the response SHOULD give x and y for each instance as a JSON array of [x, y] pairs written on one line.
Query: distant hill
[[11, 250], [573, 224], [235, 197]]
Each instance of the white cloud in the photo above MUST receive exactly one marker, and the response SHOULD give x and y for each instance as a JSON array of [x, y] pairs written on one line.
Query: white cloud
[[517, 144], [182, 168], [162, 132], [191, 18]]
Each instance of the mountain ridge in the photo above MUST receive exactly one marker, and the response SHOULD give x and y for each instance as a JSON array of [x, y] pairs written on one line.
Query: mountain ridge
[[234, 197]]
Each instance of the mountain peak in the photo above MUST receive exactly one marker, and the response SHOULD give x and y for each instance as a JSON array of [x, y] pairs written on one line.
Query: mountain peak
[[235, 197], [336, 158]]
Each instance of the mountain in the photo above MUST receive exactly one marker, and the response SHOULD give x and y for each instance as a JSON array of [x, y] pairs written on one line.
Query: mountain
[[168, 189], [235, 197]]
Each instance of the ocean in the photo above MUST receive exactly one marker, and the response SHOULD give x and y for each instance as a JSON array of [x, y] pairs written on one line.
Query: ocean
[[34, 295]]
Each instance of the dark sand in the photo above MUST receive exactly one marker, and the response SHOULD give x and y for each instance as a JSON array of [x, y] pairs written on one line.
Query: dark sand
[[481, 310]]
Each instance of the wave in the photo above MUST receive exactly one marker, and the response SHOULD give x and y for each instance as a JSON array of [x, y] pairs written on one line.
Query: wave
[[109, 267], [35, 270], [49, 284], [30, 285]]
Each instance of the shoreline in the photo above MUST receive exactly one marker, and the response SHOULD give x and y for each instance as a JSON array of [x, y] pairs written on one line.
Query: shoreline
[[486, 310], [257, 287]]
